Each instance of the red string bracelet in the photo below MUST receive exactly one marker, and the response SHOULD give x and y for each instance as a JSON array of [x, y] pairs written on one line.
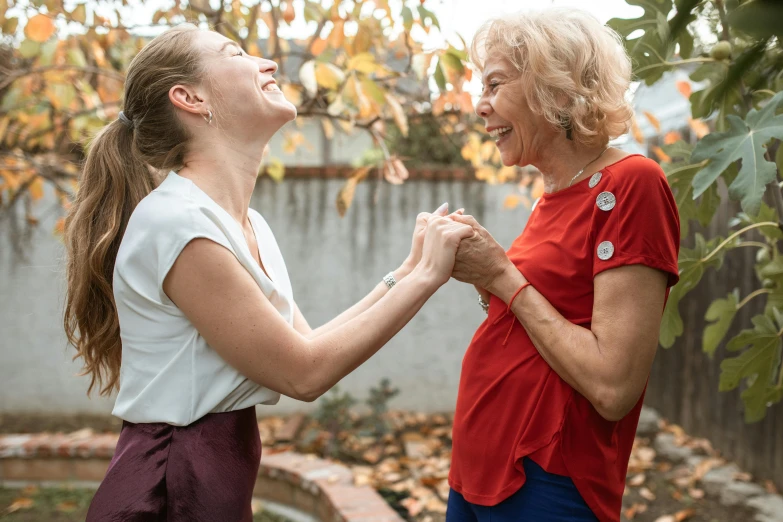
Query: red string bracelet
[[508, 311]]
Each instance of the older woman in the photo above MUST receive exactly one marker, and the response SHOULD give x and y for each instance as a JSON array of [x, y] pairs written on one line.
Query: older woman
[[552, 382]]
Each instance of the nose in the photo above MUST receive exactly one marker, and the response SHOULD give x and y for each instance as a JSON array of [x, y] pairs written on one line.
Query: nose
[[483, 108], [267, 66]]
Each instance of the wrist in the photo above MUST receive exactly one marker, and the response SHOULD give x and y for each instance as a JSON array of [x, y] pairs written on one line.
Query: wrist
[[507, 282], [404, 270], [425, 278]]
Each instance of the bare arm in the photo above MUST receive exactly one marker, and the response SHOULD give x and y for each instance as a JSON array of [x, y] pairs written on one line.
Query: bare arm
[[610, 362], [229, 310], [381, 289]]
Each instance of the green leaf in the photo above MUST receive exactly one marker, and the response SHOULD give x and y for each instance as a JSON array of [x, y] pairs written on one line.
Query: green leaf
[[47, 52], [757, 364], [425, 14], [10, 25], [29, 48], [760, 18], [691, 268], [651, 51], [407, 18], [76, 57], [79, 14], [440, 78], [745, 140], [720, 314], [276, 169], [452, 62]]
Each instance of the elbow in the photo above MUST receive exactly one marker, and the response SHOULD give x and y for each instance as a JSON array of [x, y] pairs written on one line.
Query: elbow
[[614, 403], [308, 390]]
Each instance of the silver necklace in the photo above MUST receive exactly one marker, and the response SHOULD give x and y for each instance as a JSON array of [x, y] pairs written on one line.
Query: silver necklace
[[583, 168]]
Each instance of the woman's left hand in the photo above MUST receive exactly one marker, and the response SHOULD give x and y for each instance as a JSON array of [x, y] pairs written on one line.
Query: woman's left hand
[[480, 259]]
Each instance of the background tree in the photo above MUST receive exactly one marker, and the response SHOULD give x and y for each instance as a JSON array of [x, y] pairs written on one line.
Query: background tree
[[356, 68], [735, 50]]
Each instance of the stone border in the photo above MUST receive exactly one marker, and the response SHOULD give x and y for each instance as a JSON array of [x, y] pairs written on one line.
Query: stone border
[[322, 489]]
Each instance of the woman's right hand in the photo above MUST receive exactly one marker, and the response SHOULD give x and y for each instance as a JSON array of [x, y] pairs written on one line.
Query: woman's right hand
[[441, 241]]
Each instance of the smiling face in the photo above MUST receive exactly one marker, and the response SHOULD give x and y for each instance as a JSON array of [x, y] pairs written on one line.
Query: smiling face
[[246, 95], [517, 130]]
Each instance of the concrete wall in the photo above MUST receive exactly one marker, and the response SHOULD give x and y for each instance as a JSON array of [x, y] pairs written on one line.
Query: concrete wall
[[333, 262]]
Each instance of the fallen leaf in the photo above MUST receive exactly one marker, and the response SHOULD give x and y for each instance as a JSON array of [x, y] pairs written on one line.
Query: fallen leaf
[[256, 506], [20, 503], [685, 514], [696, 493], [637, 480], [67, 507], [743, 476], [413, 506], [770, 487], [665, 518], [634, 510], [647, 494]]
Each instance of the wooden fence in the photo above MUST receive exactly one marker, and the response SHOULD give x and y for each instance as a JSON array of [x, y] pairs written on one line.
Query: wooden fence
[[684, 382]]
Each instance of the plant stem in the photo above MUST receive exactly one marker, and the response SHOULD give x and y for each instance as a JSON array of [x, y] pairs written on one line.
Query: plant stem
[[753, 244], [735, 234], [760, 291], [678, 62]]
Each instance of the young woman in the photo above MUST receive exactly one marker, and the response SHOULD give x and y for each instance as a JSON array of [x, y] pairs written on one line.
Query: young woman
[[178, 296]]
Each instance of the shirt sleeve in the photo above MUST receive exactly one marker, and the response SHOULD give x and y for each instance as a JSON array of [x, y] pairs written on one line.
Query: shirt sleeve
[[159, 230], [642, 227]]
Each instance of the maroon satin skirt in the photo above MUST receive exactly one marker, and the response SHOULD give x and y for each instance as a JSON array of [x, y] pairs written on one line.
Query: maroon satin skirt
[[202, 472]]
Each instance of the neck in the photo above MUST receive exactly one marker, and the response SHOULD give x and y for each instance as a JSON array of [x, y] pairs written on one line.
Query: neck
[[565, 159], [227, 172]]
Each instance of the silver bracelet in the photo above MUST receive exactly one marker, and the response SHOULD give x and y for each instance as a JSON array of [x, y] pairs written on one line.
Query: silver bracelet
[[484, 305], [389, 279]]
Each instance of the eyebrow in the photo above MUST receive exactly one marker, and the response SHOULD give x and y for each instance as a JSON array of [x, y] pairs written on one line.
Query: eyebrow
[[490, 74], [230, 42]]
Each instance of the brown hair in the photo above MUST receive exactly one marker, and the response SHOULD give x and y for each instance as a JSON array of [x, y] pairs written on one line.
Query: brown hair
[[118, 173]]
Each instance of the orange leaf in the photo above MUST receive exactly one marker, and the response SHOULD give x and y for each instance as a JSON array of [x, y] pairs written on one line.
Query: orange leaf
[[636, 131], [661, 154], [289, 14], [653, 121], [337, 36], [672, 137], [318, 46], [39, 28], [699, 128], [19, 503], [511, 201], [67, 507], [36, 189], [59, 227], [684, 514], [684, 87], [345, 196]]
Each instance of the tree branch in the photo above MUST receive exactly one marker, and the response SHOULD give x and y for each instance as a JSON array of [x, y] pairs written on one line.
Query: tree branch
[[40, 70]]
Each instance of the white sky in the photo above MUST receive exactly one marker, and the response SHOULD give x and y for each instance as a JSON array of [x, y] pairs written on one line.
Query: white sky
[[455, 16]]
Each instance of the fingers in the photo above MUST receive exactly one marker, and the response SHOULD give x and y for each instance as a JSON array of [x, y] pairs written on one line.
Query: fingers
[[466, 219], [442, 210]]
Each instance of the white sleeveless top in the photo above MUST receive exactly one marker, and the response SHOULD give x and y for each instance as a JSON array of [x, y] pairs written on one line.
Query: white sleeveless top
[[169, 373]]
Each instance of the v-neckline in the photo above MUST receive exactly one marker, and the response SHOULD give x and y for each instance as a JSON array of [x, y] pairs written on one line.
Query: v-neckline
[[260, 263], [261, 258]]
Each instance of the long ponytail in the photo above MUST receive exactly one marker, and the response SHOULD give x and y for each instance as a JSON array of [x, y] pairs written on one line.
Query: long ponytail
[[118, 173]]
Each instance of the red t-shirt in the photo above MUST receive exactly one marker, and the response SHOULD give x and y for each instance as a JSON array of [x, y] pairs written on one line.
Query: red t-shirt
[[511, 404]]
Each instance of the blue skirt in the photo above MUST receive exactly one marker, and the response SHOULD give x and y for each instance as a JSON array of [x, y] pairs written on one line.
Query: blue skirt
[[545, 497]]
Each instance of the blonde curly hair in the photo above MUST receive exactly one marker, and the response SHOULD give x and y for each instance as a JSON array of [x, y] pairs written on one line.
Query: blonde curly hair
[[574, 71]]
